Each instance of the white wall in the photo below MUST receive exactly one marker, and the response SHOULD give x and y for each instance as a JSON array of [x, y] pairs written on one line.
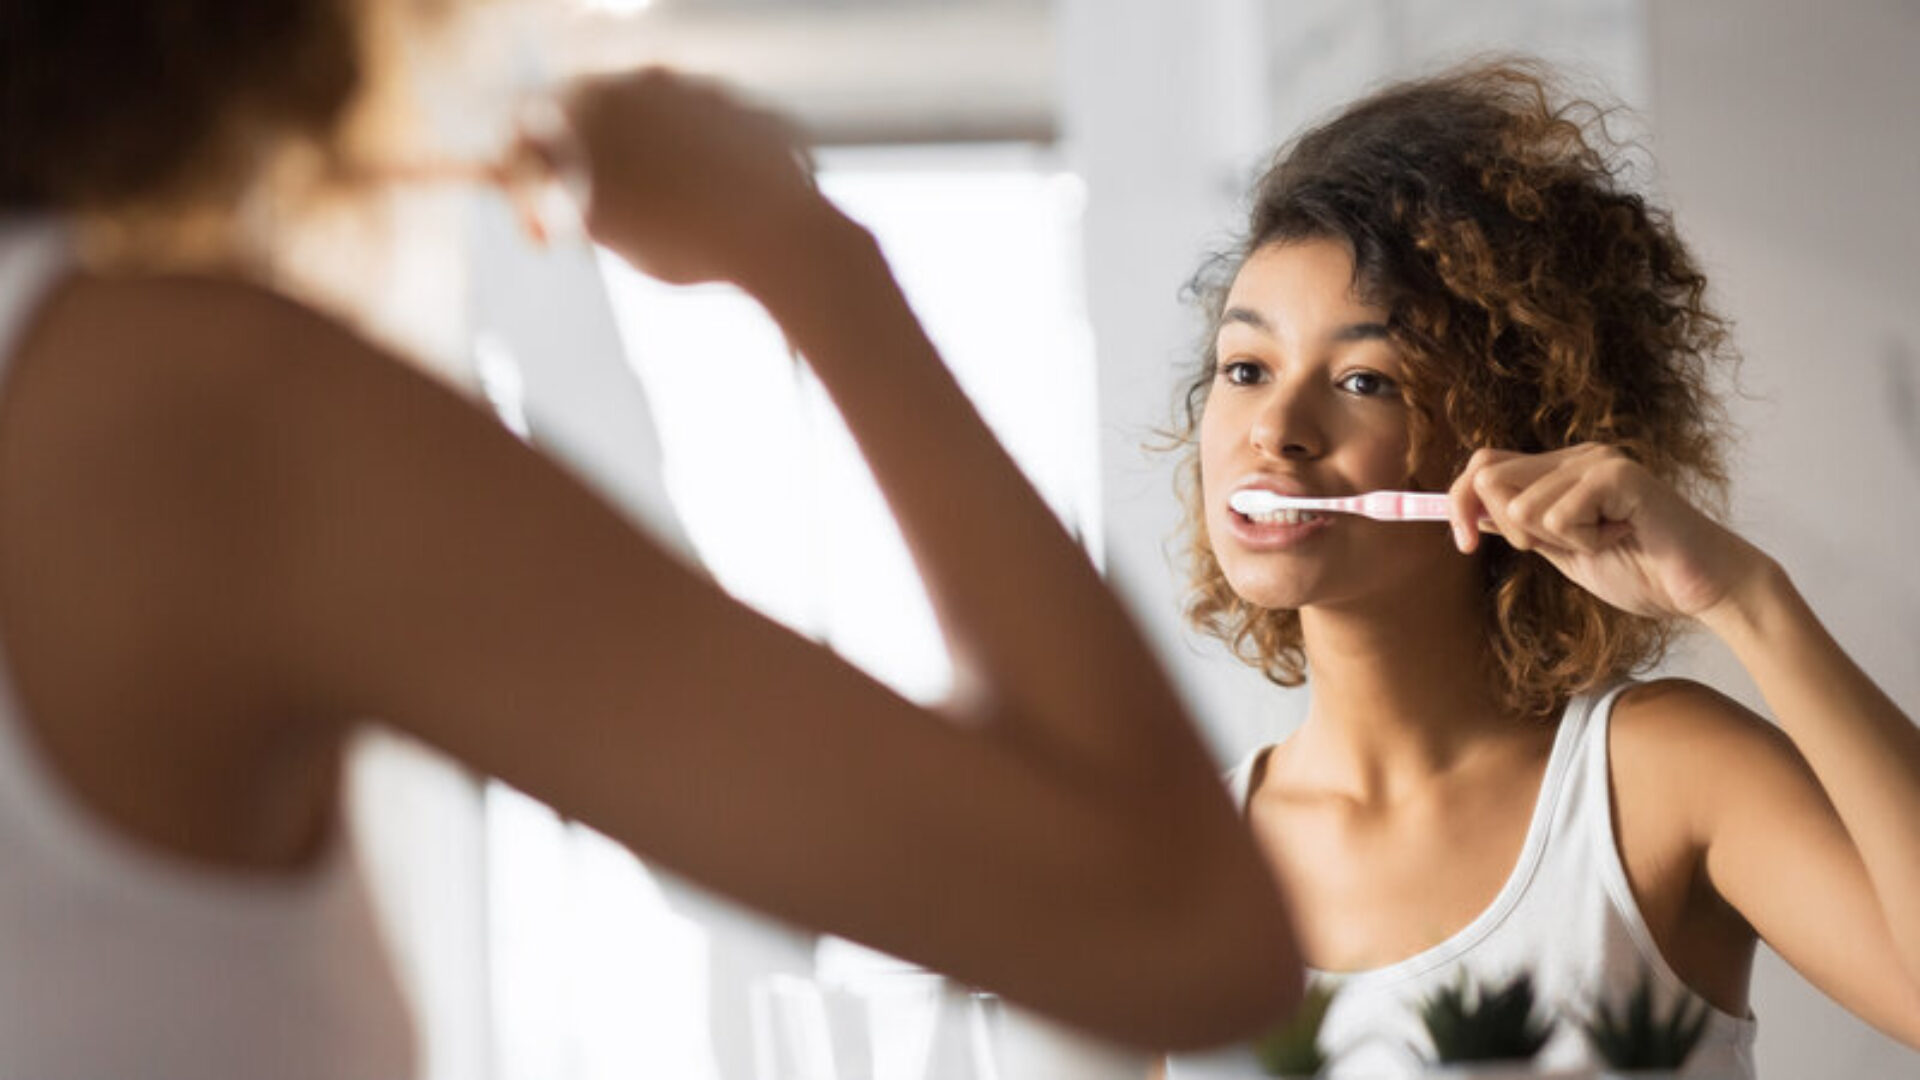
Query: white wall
[[1791, 153], [1161, 113]]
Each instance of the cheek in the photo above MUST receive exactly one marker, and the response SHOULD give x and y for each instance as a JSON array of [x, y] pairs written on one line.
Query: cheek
[[1384, 459], [1215, 449]]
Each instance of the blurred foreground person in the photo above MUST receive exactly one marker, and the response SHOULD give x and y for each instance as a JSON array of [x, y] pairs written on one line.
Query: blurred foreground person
[[232, 529]]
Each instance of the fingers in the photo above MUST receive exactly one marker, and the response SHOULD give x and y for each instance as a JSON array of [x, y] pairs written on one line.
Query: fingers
[[781, 130], [689, 182], [1526, 512], [670, 112], [1469, 502], [1581, 499]]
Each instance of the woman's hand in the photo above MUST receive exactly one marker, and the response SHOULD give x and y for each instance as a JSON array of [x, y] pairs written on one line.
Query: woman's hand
[[1837, 799], [1609, 525], [689, 184]]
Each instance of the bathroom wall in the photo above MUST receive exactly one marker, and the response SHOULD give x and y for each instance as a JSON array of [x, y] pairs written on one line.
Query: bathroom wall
[[1788, 144]]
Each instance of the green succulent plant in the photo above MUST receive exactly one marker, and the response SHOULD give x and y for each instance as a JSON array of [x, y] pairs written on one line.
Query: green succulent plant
[[1293, 1048], [1636, 1034], [1472, 1021]]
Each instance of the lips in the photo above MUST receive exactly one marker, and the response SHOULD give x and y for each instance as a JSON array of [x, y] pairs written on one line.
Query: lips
[[1274, 535], [1261, 536]]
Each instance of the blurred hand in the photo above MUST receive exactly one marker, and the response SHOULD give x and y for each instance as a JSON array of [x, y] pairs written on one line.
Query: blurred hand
[[1606, 523], [689, 184]]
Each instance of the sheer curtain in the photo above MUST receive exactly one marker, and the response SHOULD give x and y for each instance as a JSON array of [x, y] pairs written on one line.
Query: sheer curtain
[[599, 966]]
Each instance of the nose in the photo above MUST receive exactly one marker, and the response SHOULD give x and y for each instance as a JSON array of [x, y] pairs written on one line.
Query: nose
[[1286, 427]]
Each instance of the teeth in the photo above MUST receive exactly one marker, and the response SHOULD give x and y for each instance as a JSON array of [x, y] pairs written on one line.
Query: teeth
[[1284, 517]]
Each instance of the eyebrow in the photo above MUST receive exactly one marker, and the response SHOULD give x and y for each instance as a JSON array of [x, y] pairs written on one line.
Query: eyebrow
[[1360, 331]]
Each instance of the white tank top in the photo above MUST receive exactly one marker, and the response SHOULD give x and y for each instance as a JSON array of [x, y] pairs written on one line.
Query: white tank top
[[119, 961], [1566, 914]]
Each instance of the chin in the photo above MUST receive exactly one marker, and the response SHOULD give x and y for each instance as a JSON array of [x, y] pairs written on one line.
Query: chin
[[1273, 592]]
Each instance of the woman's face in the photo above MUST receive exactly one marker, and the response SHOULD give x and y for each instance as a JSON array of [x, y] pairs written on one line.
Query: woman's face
[[1306, 400]]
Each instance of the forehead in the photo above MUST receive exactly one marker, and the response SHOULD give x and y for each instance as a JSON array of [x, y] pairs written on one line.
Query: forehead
[[1298, 285]]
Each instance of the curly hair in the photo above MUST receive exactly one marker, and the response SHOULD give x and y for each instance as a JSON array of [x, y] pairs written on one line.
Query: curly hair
[[109, 104], [171, 114], [1537, 303]]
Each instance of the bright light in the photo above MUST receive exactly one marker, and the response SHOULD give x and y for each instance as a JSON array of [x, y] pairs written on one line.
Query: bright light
[[615, 7], [602, 969]]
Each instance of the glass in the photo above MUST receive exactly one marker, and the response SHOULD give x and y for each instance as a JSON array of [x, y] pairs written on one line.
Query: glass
[[897, 1026]]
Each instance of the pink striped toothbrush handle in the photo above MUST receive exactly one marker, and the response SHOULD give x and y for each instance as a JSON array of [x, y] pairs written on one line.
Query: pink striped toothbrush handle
[[1404, 505]]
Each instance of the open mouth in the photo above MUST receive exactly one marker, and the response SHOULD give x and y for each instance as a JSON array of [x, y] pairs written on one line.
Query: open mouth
[[1276, 530], [1281, 517]]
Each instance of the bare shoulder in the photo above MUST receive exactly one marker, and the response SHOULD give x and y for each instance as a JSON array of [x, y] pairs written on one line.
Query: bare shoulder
[[1699, 745], [151, 357], [160, 436], [162, 443], [185, 368], [182, 315], [166, 407], [1684, 717]]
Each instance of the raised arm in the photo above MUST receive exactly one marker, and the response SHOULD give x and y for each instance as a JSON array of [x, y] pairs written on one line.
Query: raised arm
[[1065, 842], [1071, 672], [1814, 838], [1855, 887]]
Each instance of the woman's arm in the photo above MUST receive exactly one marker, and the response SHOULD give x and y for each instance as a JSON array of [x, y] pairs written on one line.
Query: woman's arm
[[1865, 755], [1813, 838], [1066, 843], [732, 206]]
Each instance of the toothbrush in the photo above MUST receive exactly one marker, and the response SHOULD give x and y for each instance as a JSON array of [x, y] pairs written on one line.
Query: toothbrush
[[1378, 505]]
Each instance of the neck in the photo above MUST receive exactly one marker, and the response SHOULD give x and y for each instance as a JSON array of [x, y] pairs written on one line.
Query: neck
[[1403, 691]]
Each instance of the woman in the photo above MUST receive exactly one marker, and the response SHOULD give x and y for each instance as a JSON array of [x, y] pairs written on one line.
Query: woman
[[231, 530], [1447, 288]]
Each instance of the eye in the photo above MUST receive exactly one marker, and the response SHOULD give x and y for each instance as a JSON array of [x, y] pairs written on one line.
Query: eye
[[1240, 372], [1368, 384]]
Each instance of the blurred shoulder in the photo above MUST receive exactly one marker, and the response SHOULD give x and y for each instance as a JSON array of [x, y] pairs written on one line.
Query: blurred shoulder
[[179, 392], [171, 363], [187, 325]]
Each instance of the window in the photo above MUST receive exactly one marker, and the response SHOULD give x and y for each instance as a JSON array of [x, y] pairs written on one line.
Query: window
[[601, 968]]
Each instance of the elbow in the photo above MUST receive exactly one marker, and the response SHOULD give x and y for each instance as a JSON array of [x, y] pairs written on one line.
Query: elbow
[[1212, 958], [1227, 1007], [1163, 930], [1233, 973]]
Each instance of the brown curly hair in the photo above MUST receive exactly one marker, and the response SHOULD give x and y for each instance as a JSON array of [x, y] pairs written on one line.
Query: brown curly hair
[[179, 121], [1537, 303], [109, 103]]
